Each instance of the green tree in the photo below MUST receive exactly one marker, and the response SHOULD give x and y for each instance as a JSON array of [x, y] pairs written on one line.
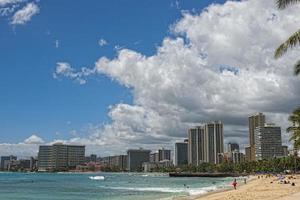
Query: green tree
[[295, 128], [291, 42]]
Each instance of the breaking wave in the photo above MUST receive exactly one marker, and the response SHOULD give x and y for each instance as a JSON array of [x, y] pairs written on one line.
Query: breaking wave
[[189, 191], [97, 178]]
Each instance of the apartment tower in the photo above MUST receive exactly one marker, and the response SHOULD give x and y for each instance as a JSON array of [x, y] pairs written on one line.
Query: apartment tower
[[256, 120]]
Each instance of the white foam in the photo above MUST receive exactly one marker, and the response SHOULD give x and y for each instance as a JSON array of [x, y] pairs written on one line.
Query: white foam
[[189, 191], [97, 178]]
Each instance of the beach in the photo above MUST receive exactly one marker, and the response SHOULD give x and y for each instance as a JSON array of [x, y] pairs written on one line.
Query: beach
[[259, 189]]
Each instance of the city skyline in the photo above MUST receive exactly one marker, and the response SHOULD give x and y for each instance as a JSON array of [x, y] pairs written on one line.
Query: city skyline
[[111, 84]]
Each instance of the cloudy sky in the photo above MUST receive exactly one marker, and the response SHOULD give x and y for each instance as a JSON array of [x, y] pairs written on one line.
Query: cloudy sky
[[125, 74]]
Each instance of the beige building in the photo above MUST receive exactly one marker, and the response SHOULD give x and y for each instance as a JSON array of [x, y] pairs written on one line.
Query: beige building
[[205, 143], [258, 119], [60, 157]]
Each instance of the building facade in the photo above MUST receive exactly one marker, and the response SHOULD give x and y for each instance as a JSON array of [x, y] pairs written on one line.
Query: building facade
[[135, 159], [268, 142], [164, 154], [196, 146], [214, 141], [258, 119], [181, 153], [5, 161], [205, 143], [60, 157], [232, 147]]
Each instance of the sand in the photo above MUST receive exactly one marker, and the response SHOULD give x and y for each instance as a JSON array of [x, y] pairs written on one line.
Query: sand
[[259, 189]]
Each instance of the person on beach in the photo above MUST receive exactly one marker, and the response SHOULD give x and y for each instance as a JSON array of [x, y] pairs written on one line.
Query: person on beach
[[234, 184], [245, 181]]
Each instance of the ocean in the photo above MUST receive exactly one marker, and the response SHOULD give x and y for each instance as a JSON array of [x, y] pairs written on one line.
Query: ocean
[[103, 186]]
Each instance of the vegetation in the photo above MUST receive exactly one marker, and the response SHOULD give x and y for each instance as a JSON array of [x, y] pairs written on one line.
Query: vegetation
[[295, 128], [291, 42], [276, 165]]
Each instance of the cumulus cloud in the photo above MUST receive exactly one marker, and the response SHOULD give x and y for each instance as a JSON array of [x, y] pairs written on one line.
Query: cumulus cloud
[[25, 149], [34, 140], [9, 2], [102, 42], [65, 69], [25, 14], [216, 65]]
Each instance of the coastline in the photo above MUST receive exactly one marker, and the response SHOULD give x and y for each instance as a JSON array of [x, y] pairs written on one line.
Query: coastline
[[258, 189]]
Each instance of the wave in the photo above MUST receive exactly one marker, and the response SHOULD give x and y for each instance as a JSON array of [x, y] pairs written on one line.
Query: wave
[[97, 178], [189, 191]]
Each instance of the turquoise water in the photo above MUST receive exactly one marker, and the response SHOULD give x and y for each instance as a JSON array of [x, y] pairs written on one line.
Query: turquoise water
[[102, 186]]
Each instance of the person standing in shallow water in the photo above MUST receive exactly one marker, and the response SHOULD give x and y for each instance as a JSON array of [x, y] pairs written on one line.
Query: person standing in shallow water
[[234, 184]]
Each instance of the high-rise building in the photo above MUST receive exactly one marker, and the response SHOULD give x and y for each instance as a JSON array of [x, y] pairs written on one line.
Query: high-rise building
[[181, 153], [60, 157], [237, 157], [214, 141], [247, 154], [196, 146], [136, 157], [164, 154], [5, 160], [119, 161], [268, 142], [205, 143], [232, 147], [258, 119]]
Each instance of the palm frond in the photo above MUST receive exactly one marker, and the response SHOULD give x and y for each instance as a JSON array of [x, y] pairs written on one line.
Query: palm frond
[[282, 4], [290, 43], [297, 68]]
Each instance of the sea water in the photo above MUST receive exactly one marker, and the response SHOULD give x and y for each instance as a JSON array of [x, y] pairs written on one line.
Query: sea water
[[103, 186]]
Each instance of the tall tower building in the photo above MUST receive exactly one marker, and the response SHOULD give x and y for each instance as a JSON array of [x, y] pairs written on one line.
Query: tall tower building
[[256, 120], [268, 142], [232, 147], [136, 158], [181, 153], [196, 146], [164, 154], [205, 143], [214, 141]]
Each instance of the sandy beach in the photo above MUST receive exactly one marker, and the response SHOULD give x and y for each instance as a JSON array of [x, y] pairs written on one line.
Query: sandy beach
[[260, 189]]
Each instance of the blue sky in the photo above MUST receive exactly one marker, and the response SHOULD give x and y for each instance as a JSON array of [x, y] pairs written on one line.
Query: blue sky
[[114, 75], [32, 101]]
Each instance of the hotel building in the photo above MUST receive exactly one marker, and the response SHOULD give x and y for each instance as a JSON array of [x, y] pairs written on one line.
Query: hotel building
[[136, 158], [205, 143], [181, 153], [60, 157], [268, 142], [258, 119]]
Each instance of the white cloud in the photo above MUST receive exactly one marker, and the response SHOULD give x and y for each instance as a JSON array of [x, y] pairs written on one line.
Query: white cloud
[[65, 69], [102, 42], [34, 140], [9, 2], [218, 65], [25, 14]]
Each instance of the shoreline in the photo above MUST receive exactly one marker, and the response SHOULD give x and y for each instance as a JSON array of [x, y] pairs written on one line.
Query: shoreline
[[258, 189]]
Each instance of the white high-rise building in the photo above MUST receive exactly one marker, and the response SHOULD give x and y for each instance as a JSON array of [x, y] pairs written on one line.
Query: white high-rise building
[[268, 142]]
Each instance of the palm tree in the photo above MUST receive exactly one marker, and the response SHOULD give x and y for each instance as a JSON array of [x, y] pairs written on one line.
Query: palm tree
[[293, 40], [295, 128]]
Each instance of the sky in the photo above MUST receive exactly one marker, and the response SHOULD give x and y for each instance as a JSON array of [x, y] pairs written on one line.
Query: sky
[[115, 74]]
